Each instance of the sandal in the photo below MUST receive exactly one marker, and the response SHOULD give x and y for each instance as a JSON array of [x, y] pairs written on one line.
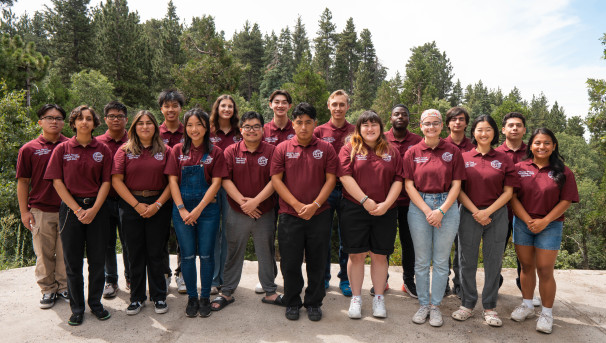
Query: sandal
[[222, 302], [492, 318], [463, 313], [277, 301]]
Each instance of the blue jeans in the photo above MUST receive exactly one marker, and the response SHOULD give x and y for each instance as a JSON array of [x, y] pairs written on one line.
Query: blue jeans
[[432, 244], [334, 200], [221, 240]]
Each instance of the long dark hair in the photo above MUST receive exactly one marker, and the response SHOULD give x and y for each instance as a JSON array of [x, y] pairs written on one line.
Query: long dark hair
[[203, 117], [214, 114], [556, 161], [134, 145]]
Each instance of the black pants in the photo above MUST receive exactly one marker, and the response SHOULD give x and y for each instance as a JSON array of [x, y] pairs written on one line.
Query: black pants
[[408, 249], [111, 263], [298, 238], [76, 237], [146, 239]]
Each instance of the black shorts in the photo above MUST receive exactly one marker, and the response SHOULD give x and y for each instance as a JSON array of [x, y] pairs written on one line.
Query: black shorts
[[362, 232]]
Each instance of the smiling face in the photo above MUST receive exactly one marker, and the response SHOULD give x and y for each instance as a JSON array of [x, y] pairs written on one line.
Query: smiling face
[[145, 128], [195, 129], [338, 106], [226, 109], [84, 123], [116, 120], [542, 146], [483, 133], [280, 105], [252, 131], [431, 127], [52, 122], [304, 127], [370, 132], [399, 118], [171, 111]]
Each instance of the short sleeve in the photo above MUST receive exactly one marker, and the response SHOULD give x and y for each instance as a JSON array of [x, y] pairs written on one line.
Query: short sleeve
[[407, 165], [119, 164], [332, 161], [277, 160], [569, 189], [458, 166], [107, 164], [345, 161], [218, 168], [55, 164], [399, 172], [511, 177], [172, 164], [24, 164], [229, 161]]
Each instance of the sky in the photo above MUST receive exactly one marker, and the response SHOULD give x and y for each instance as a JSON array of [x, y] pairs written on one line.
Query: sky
[[538, 46]]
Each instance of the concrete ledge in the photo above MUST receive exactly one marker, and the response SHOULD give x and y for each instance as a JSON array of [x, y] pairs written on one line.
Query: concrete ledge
[[579, 311]]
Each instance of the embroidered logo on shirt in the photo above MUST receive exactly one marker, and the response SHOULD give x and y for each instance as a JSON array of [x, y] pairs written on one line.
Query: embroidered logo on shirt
[[262, 161], [291, 154], [183, 157], [387, 158], [410, 146], [132, 156], [361, 157], [290, 136], [447, 157], [43, 151], [159, 156], [98, 157], [71, 157], [271, 139], [165, 141], [470, 164], [318, 154], [215, 140], [525, 173], [240, 160], [421, 159], [550, 174], [182, 140], [237, 139], [208, 160], [496, 164], [328, 139]]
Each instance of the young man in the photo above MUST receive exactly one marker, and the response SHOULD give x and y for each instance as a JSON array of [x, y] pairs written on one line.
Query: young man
[[250, 211], [171, 103], [116, 135], [335, 131], [303, 173], [399, 137], [280, 127], [39, 205]]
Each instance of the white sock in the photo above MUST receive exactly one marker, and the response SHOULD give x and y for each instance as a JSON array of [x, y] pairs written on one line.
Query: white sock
[[528, 303], [548, 311], [379, 297], [357, 297]]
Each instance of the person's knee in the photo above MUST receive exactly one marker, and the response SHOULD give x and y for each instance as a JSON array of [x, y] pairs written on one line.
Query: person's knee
[[545, 272], [357, 258]]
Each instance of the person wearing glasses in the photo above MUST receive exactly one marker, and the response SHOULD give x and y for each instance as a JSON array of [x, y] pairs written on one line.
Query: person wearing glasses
[[39, 205], [116, 135], [81, 172], [433, 170]]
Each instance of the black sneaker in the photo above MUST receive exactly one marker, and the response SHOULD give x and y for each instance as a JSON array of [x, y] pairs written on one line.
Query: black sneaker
[[134, 308], [160, 306], [48, 300], [204, 307], [76, 319], [102, 314], [410, 288], [457, 291], [63, 295], [292, 312], [500, 281], [314, 313], [192, 307]]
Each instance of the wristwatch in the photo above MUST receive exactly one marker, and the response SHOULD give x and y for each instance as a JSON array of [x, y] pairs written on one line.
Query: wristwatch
[[180, 206]]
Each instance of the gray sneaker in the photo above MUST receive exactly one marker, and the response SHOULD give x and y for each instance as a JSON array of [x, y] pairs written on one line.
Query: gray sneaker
[[421, 316], [435, 317], [48, 300], [110, 290]]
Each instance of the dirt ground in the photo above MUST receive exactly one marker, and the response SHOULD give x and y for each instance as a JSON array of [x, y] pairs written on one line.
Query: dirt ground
[[579, 312]]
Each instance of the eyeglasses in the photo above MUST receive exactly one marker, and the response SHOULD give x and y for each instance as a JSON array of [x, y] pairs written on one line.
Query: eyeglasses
[[430, 124], [52, 119], [113, 117], [249, 128]]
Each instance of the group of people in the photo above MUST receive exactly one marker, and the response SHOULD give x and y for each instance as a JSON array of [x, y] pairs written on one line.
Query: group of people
[[224, 177]]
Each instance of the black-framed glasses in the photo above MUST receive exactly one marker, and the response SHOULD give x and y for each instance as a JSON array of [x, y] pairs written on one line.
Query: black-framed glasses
[[51, 119], [113, 117], [249, 128]]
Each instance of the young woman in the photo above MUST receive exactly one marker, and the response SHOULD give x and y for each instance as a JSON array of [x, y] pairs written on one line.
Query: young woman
[[81, 172], [145, 219], [547, 188], [371, 173], [224, 132], [195, 169], [433, 170], [489, 186]]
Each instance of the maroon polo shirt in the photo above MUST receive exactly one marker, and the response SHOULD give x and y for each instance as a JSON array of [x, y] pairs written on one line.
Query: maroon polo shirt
[[275, 135], [410, 140], [305, 169], [517, 155], [113, 145], [249, 171], [334, 135], [464, 146], [487, 175], [31, 164], [223, 140], [214, 164], [374, 174], [171, 138], [433, 170], [134, 166], [82, 169], [539, 193]]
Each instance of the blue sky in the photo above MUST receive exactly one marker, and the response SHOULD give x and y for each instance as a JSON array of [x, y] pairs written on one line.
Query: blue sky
[[536, 45]]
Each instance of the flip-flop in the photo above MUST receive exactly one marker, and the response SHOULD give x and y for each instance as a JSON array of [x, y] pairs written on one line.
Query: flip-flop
[[277, 301], [222, 301]]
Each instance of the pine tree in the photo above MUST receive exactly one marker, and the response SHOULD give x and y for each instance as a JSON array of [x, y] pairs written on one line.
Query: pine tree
[[388, 95], [324, 46], [309, 86], [346, 59], [575, 126], [456, 97], [248, 51], [556, 121], [428, 74], [300, 43], [370, 73], [286, 59]]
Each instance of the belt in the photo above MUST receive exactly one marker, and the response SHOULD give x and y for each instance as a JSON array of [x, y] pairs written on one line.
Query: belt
[[85, 201], [146, 193]]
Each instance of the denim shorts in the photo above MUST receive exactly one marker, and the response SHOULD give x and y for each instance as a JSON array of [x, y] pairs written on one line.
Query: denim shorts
[[548, 239]]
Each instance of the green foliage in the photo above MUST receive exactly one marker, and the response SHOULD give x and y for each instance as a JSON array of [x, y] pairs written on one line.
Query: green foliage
[[575, 126], [16, 244], [247, 48], [388, 95], [309, 87], [428, 74], [300, 43], [347, 58], [92, 88], [325, 42]]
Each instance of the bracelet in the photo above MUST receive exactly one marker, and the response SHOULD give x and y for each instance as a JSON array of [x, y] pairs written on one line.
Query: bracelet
[[315, 202], [363, 200], [159, 204], [134, 207], [180, 206], [78, 210], [441, 211]]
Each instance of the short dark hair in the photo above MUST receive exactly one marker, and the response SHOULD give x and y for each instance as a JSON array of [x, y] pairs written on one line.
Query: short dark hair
[[42, 111], [514, 115], [115, 105], [455, 111], [280, 92], [171, 95], [493, 124], [250, 115], [304, 108], [77, 113], [401, 105]]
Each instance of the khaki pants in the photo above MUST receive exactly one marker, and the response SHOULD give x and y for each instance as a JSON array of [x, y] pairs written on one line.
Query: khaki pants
[[50, 266]]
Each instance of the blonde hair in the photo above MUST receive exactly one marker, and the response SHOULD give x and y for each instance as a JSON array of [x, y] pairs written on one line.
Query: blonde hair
[[357, 142], [336, 93]]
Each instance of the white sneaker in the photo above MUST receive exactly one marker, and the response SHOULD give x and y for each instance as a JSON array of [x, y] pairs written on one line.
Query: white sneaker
[[435, 317], [259, 289], [355, 308], [545, 323], [180, 284], [521, 312], [421, 316], [536, 301], [378, 307]]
